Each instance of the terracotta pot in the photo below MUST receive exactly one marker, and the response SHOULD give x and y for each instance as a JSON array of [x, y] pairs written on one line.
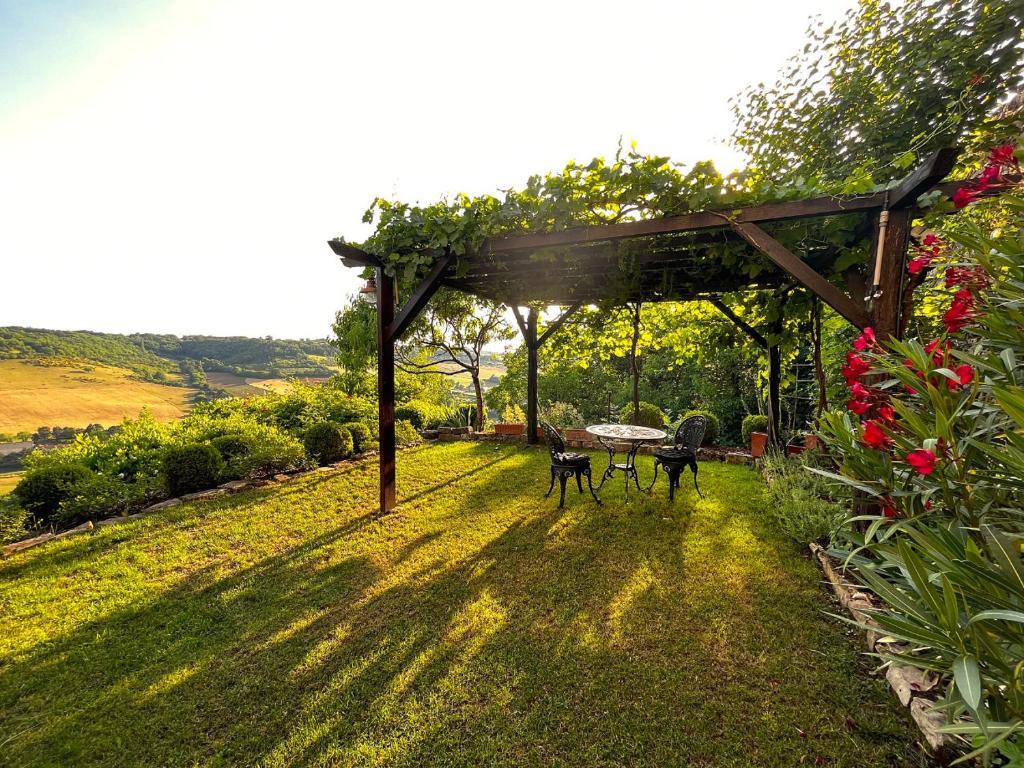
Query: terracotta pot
[[510, 429], [812, 442], [795, 450], [758, 441]]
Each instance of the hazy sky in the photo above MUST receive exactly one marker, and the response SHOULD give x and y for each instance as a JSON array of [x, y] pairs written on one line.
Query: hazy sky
[[179, 167]]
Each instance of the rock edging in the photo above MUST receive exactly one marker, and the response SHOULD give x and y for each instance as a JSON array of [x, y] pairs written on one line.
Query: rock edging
[[913, 687], [230, 487]]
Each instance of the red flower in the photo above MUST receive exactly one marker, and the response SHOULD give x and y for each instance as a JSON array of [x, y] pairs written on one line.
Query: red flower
[[937, 351], [889, 507], [1003, 155], [874, 436], [918, 264], [964, 197], [931, 239], [960, 312], [860, 407], [989, 176], [965, 373], [859, 391], [866, 340], [910, 390], [922, 460], [973, 277], [855, 368], [887, 415]]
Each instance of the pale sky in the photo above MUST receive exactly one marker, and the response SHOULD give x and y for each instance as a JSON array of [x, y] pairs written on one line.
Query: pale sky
[[179, 167]]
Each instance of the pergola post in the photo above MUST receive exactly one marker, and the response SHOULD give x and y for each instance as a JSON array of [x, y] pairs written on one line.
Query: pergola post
[[531, 375], [386, 388], [774, 403]]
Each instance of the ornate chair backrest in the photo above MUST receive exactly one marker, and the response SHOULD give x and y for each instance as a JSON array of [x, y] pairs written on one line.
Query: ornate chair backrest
[[690, 433], [555, 442]]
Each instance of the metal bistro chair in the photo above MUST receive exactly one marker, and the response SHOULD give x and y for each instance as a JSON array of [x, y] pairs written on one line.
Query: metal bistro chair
[[674, 458], [565, 464]]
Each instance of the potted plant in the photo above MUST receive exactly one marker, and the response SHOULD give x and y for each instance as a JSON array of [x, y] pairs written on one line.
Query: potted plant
[[758, 442]]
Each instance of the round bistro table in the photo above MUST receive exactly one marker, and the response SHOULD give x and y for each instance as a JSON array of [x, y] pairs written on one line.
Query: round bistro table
[[608, 434]]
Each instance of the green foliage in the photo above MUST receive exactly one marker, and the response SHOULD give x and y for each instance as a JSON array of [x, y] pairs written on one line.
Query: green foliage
[[513, 414], [406, 434], [13, 519], [650, 415], [42, 490], [328, 443], [802, 504], [423, 415], [563, 416], [713, 425], [231, 447], [462, 415], [191, 468], [755, 422], [855, 103], [362, 437]]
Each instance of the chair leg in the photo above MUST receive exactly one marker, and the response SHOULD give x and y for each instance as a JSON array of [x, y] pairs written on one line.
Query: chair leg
[[562, 478], [552, 486], [673, 481], [657, 463], [693, 466], [579, 479], [590, 485]]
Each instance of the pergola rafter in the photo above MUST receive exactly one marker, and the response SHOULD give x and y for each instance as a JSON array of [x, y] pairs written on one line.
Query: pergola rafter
[[674, 258]]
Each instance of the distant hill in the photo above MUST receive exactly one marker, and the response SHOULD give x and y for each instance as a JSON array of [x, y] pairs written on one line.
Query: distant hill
[[163, 358]]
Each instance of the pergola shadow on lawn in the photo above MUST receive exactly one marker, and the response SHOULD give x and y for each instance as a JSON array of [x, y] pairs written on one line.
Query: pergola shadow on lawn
[[674, 258], [478, 626]]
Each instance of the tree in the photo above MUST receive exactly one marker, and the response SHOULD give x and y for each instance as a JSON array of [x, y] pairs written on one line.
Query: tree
[[885, 84], [355, 330], [453, 331]]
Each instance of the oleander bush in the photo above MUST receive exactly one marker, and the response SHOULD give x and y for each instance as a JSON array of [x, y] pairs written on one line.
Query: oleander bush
[[755, 422], [191, 468], [934, 432], [713, 428], [327, 443]]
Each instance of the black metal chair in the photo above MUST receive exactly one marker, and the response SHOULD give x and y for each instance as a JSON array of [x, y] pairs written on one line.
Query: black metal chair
[[683, 453], [566, 464]]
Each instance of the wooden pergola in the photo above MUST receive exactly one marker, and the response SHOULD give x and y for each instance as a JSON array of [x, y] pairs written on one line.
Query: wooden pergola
[[664, 259]]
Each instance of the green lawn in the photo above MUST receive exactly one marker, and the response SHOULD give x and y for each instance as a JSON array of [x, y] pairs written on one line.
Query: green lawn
[[476, 625]]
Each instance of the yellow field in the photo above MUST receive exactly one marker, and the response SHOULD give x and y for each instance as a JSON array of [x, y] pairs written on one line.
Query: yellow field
[[242, 387], [32, 396], [7, 482]]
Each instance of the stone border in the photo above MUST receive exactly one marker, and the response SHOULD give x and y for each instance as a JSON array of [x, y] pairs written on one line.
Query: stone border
[[913, 687], [230, 487]]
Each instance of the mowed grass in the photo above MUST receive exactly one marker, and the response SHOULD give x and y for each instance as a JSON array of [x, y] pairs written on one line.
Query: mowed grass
[[476, 625], [32, 396]]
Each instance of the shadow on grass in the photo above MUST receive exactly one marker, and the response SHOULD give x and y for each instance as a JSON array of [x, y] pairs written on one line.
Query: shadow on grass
[[493, 629]]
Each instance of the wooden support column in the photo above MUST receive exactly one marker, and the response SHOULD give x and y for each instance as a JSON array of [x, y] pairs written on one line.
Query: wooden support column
[[531, 376], [386, 388]]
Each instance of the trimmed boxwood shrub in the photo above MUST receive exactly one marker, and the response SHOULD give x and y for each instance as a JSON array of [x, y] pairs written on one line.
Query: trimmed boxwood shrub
[[406, 434], [191, 468], [713, 428], [42, 490], [327, 443], [755, 422], [361, 435], [231, 446], [650, 415]]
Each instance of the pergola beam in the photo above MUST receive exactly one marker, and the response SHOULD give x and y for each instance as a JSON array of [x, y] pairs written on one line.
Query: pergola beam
[[800, 271], [934, 169], [424, 291], [738, 321]]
